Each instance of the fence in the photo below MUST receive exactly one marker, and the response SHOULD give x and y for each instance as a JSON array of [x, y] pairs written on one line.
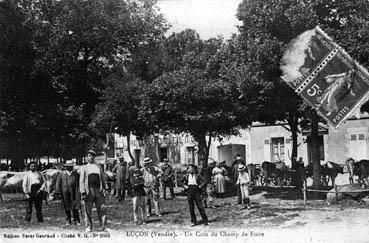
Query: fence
[[304, 190]]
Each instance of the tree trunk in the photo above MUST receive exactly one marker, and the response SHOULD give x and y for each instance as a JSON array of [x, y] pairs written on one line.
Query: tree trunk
[[314, 136], [293, 123], [17, 162], [128, 136], [203, 148]]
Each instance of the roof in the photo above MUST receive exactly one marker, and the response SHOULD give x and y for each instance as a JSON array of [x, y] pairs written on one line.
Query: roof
[[322, 129]]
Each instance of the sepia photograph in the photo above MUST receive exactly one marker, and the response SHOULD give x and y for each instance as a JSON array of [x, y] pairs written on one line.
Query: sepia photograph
[[184, 121]]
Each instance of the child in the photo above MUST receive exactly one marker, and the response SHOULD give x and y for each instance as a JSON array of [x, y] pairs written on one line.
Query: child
[[244, 181], [139, 198]]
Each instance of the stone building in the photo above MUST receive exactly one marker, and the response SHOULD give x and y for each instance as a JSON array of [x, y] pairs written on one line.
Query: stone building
[[255, 145]]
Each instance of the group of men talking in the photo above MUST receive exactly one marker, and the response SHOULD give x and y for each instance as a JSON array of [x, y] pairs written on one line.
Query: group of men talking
[[85, 187]]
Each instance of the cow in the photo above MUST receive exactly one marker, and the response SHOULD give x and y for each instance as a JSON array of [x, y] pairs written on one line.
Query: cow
[[51, 175], [360, 169], [277, 170], [11, 181]]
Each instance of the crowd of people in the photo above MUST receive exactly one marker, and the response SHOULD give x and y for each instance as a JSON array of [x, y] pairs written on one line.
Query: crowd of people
[[82, 189]]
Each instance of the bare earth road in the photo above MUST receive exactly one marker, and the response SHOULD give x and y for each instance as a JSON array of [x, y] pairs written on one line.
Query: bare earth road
[[276, 216]]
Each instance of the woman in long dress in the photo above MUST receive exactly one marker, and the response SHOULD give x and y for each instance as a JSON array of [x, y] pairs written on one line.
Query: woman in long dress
[[219, 180]]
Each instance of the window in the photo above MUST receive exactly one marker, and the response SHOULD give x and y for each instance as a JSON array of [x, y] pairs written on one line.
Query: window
[[190, 155], [353, 137], [361, 137], [277, 149], [163, 153]]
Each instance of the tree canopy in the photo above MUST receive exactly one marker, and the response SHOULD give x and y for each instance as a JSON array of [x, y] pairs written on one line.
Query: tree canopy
[[54, 65]]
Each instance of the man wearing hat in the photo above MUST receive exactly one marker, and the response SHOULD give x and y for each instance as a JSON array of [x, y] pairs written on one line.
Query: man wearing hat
[[151, 175], [67, 185], [122, 174], [168, 179], [238, 161], [92, 186], [243, 181], [194, 184]]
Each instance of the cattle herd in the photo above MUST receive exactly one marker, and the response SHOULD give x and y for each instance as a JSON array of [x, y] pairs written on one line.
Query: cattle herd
[[277, 173]]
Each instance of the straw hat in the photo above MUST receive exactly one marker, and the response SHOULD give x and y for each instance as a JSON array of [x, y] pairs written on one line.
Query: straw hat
[[69, 163], [241, 167], [147, 160]]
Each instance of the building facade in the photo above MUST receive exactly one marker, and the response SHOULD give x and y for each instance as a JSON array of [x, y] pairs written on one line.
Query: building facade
[[255, 145]]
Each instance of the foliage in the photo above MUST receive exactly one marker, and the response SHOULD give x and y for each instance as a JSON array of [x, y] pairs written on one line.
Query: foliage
[[266, 30], [64, 50]]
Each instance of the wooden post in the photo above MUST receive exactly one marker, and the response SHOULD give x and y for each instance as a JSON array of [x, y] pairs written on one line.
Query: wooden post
[[304, 191], [336, 190]]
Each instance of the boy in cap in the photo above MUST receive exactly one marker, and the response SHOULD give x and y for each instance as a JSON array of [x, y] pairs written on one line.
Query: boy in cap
[[244, 181], [139, 197], [67, 185], [92, 186], [194, 183]]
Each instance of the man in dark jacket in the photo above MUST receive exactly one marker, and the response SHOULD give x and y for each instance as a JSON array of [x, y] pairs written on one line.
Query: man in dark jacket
[[139, 198], [238, 161], [193, 183], [168, 177], [120, 170], [67, 185]]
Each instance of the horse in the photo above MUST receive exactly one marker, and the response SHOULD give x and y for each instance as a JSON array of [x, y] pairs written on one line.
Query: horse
[[328, 171], [277, 170], [252, 172]]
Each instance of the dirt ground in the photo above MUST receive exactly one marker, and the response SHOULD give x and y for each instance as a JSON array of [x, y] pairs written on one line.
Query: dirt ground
[[273, 210]]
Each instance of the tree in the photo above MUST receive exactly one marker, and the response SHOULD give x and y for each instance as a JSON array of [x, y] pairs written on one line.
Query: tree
[[269, 26], [187, 97], [64, 50], [28, 101], [119, 108], [188, 101]]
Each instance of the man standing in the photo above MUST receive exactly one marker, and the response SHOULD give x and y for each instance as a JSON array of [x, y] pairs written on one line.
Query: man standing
[[130, 170], [92, 186], [151, 175], [67, 185], [121, 171], [33, 184], [238, 162], [168, 178], [194, 183]]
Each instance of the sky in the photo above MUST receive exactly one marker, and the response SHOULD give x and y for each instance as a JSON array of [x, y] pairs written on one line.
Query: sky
[[209, 18]]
